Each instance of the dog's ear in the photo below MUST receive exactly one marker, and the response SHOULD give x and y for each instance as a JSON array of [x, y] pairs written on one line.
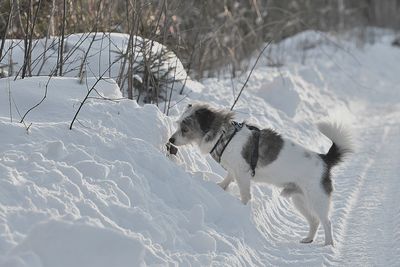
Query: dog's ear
[[205, 117]]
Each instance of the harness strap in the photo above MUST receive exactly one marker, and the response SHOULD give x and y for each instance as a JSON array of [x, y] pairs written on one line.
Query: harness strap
[[214, 152], [255, 144], [254, 154], [227, 143], [216, 144]]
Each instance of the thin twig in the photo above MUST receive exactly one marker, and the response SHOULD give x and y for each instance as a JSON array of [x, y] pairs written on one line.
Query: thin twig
[[9, 99], [40, 102], [172, 86], [19, 113], [88, 93]]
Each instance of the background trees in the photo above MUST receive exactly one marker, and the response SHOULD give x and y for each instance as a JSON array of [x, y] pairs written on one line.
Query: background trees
[[204, 34]]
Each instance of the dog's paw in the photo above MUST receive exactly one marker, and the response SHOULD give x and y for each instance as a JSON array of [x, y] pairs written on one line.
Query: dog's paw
[[223, 185], [245, 200], [306, 240]]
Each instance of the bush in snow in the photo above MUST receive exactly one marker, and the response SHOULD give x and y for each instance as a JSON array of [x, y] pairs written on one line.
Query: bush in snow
[[144, 69]]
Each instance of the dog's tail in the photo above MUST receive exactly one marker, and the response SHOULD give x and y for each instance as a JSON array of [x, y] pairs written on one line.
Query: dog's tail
[[341, 139]]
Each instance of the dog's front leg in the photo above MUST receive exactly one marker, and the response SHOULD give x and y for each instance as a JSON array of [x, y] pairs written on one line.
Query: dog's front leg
[[225, 183], [243, 182]]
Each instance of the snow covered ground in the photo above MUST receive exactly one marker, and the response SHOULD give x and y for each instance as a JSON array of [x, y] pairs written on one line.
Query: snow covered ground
[[106, 194]]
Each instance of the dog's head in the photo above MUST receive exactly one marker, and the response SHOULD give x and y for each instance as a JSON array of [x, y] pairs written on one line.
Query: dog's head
[[199, 122]]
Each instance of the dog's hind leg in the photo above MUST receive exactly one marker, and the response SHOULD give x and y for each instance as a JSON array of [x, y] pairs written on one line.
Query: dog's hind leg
[[320, 202], [300, 203], [328, 231], [225, 183]]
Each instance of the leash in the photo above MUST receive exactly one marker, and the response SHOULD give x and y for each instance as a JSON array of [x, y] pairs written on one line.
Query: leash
[[237, 127]]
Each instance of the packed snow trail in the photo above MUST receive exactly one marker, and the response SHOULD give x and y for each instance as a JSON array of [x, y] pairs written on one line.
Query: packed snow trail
[[371, 235]]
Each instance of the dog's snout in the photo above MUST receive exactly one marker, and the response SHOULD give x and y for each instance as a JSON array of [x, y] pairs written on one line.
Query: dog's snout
[[172, 140]]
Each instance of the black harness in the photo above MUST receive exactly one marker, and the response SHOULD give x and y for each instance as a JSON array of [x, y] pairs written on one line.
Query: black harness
[[226, 137]]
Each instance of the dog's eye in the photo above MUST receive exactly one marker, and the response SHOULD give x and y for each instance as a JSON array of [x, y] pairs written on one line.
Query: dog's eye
[[184, 129]]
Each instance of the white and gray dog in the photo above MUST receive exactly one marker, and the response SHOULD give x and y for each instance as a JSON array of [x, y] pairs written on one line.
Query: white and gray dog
[[250, 154]]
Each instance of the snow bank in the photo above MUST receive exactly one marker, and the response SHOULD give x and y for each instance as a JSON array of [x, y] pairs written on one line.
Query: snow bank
[[57, 243], [110, 170]]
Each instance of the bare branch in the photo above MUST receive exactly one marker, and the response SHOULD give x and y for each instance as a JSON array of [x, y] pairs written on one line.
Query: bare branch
[[40, 102], [88, 93]]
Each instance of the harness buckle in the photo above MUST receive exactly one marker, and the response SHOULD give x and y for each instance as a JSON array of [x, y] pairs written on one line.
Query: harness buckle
[[238, 125]]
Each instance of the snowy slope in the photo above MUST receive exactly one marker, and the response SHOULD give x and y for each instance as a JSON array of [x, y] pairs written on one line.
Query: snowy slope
[[106, 194]]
